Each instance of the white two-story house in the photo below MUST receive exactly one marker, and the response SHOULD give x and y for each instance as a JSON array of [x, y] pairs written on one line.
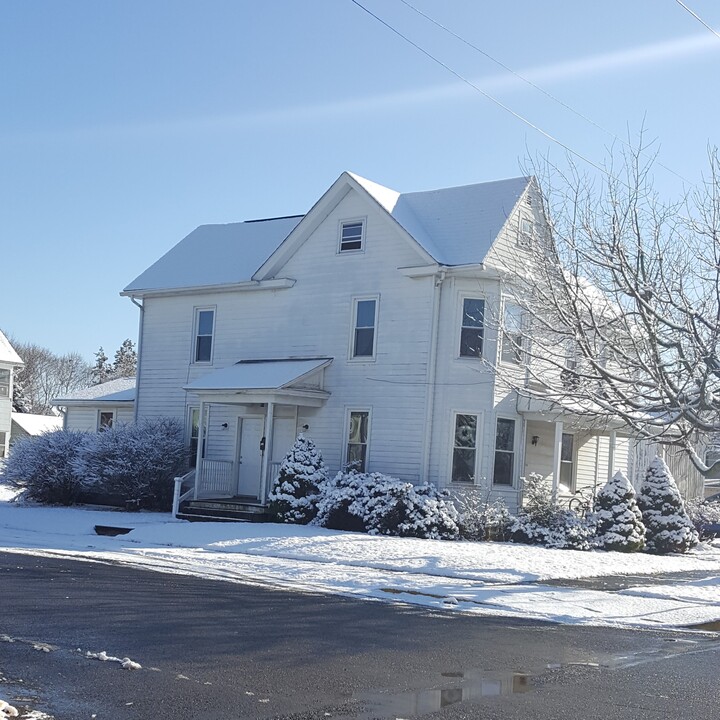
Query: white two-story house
[[371, 325], [10, 362]]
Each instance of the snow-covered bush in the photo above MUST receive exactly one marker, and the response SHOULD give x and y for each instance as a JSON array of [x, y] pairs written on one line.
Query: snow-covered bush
[[542, 522], [478, 517], [668, 528], [294, 496], [137, 462], [702, 513], [379, 504], [619, 521], [43, 467]]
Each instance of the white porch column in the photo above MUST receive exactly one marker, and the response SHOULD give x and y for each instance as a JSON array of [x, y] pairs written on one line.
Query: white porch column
[[201, 442], [557, 457], [611, 454], [265, 471]]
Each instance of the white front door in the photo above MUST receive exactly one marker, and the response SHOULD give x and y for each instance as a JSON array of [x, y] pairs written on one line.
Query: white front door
[[250, 432]]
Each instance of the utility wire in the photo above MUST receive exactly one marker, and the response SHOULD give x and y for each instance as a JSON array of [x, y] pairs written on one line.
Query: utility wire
[[485, 94], [698, 18], [547, 94]]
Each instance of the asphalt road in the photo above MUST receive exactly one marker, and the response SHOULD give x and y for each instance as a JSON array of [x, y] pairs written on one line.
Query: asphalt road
[[217, 650]]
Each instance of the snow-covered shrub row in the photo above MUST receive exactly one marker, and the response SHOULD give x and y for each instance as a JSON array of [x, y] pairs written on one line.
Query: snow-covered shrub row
[[137, 462], [702, 513], [479, 518], [379, 504], [294, 496], [43, 466]]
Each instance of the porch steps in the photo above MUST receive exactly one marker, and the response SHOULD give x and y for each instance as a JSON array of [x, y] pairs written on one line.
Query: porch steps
[[230, 510]]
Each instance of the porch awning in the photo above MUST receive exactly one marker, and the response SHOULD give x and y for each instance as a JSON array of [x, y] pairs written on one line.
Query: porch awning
[[263, 380]]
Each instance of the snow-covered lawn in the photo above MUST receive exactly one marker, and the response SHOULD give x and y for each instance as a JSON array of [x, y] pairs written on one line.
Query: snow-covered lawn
[[481, 578]]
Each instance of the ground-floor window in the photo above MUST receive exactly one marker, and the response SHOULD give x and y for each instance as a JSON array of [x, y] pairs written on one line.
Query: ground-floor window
[[194, 434], [567, 461], [106, 418], [2, 444], [358, 435], [464, 448], [504, 466]]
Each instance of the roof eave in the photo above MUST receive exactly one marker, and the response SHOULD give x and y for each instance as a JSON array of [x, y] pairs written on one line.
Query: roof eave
[[244, 286]]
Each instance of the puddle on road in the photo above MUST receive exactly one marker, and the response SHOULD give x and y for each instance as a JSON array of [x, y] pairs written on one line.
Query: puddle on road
[[467, 687], [713, 626]]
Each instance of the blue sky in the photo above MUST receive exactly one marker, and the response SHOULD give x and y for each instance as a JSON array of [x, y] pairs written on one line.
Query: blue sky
[[125, 124]]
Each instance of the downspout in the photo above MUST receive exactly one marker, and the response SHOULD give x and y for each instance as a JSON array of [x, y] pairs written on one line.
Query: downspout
[[438, 280], [139, 356]]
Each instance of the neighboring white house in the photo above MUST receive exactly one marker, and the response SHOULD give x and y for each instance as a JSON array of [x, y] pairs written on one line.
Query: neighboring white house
[[99, 406], [29, 425], [370, 323], [10, 362]]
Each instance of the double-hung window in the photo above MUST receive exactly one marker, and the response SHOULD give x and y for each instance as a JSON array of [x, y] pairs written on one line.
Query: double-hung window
[[358, 436], [567, 461], [504, 466], [352, 235], [527, 232], [512, 335], [472, 327], [4, 382], [465, 445], [204, 329], [364, 324]]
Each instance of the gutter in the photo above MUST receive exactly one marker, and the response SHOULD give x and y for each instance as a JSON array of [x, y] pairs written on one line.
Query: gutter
[[245, 285], [439, 278], [139, 356]]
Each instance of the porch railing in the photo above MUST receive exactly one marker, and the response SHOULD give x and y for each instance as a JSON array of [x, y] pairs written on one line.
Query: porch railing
[[217, 477], [187, 480]]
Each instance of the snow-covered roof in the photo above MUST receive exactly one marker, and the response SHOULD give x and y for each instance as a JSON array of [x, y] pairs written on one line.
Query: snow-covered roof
[[259, 374], [37, 424], [121, 390], [216, 255], [7, 352], [456, 226]]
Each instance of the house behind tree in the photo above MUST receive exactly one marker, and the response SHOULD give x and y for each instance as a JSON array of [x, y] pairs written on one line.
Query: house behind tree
[[10, 363]]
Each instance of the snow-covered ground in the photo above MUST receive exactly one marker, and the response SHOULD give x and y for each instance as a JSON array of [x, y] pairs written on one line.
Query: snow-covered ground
[[481, 578]]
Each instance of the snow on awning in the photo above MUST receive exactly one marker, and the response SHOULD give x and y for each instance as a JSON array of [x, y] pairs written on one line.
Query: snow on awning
[[259, 375]]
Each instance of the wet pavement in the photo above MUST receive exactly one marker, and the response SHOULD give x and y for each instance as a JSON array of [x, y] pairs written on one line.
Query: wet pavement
[[611, 583]]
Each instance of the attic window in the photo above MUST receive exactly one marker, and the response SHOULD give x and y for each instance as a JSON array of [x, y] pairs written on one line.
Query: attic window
[[352, 235], [527, 231]]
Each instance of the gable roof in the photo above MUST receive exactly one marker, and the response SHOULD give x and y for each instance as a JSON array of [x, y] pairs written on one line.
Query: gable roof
[[7, 352], [121, 390], [452, 226], [36, 424]]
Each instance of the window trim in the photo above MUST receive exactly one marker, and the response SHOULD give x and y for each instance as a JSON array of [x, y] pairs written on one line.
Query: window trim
[[6, 385], [100, 427], [514, 452], [572, 463], [459, 326], [352, 357], [362, 221], [478, 446], [196, 334], [349, 410]]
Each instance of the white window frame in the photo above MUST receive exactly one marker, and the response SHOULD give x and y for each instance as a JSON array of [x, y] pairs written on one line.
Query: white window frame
[[346, 434], [100, 413], [478, 446], [526, 231], [510, 303], [5, 385], [341, 226], [459, 325], [572, 463], [191, 410], [514, 451], [354, 327], [196, 334]]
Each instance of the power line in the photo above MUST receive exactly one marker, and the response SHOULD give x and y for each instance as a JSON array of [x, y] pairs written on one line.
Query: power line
[[547, 94], [485, 94], [698, 18]]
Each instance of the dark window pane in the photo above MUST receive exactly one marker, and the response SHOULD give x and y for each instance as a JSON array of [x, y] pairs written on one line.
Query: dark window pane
[[203, 348], [365, 313], [503, 472], [205, 322], [106, 420], [566, 475], [505, 437], [463, 469], [364, 342], [473, 312], [356, 456], [471, 342], [465, 431], [351, 236], [566, 452]]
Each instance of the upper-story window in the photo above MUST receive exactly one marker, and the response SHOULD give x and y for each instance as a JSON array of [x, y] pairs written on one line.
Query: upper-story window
[[204, 329], [472, 328], [365, 322], [352, 235], [527, 231], [512, 334], [4, 382]]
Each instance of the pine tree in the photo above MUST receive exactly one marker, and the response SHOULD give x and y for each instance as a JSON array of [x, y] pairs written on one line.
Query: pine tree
[[20, 403], [619, 521], [102, 370], [125, 364], [668, 528], [294, 495]]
